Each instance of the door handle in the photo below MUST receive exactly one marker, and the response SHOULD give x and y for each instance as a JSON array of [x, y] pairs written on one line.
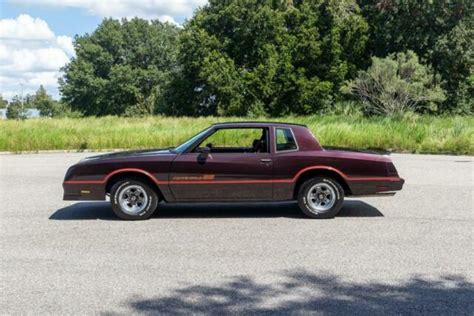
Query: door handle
[[265, 160]]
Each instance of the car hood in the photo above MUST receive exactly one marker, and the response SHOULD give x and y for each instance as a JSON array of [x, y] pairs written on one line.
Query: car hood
[[130, 154]]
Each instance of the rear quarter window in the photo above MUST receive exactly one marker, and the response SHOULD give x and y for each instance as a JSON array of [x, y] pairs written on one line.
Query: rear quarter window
[[285, 140]]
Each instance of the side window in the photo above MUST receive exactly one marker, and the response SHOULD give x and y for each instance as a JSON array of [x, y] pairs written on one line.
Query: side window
[[285, 139], [237, 140]]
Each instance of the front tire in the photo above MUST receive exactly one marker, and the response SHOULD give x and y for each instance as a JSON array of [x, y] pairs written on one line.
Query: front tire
[[320, 197], [133, 199]]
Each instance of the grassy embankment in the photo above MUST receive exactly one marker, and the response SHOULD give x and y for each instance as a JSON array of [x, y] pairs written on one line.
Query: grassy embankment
[[423, 134]]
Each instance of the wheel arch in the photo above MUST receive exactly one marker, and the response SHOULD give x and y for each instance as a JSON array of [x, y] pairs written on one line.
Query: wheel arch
[[322, 171], [134, 174]]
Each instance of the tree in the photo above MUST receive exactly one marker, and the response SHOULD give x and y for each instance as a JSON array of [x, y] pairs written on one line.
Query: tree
[[395, 85], [49, 107], [16, 109], [440, 32], [120, 64], [454, 55], [44, 102], [254, 57], [3, 102]]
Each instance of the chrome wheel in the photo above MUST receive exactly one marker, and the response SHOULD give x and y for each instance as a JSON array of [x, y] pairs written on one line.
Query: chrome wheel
[[133, 199], [321, 197]]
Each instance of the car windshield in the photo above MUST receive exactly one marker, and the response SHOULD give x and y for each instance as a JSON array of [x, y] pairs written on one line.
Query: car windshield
[[181, 148]]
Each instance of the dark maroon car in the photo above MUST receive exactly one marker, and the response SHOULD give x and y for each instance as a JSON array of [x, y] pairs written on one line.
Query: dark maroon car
[[234, 162]]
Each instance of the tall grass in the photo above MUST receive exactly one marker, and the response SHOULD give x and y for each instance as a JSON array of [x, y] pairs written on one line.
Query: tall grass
[[420, 134]]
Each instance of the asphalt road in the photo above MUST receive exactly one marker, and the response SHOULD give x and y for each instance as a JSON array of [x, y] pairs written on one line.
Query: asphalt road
[[411, 253]]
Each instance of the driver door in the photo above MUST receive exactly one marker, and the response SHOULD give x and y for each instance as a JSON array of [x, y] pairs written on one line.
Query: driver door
[[238, 167]]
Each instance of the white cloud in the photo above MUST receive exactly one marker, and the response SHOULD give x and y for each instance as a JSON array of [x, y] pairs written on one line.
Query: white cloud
[[30, 55], [24, 27], [65, 42], [164, 10]]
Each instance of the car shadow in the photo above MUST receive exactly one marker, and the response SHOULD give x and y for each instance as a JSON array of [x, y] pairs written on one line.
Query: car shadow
[[103, 211]]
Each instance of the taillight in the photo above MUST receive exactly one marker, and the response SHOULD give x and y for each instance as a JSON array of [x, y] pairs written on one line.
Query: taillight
[[391, 170]]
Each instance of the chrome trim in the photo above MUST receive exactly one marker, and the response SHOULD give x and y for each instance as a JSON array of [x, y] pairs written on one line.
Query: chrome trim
[[379, 194]]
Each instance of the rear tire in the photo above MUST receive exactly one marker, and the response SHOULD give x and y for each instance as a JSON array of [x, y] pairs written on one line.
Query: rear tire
[[320, 197], [133, 199]]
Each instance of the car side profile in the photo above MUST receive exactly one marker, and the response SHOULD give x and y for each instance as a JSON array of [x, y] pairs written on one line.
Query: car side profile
[[234, 162]]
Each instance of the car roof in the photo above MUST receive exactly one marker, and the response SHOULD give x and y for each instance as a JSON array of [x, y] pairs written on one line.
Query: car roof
[[255, 124]]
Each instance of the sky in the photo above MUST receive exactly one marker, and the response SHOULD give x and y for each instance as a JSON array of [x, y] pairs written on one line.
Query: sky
[[36, 36]]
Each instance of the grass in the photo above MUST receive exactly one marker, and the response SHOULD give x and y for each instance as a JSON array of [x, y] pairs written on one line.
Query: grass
[[419, 134]]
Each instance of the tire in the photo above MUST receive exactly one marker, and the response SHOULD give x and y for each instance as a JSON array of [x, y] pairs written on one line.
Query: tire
[[126, 207], [326, 189]]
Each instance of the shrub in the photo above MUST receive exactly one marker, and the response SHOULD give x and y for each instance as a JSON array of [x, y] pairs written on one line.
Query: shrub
[[395, 85]]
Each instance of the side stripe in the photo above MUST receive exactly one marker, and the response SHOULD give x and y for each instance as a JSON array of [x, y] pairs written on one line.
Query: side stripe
[[290, 180]]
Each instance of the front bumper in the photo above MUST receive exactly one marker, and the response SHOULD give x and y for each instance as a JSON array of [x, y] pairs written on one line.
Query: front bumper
[[83, 192]]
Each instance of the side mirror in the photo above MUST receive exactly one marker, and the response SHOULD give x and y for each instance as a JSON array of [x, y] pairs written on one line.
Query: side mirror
[[203, 154], [205, 151]]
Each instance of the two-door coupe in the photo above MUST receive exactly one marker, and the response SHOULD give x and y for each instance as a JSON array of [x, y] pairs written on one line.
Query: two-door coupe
[[234, 162]]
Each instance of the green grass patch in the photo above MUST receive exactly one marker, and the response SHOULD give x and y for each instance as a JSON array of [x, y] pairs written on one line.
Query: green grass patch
[[418, 134]]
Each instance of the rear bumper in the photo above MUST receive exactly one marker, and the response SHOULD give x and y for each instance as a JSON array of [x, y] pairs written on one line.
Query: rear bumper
[[83, 192], [386, 187]]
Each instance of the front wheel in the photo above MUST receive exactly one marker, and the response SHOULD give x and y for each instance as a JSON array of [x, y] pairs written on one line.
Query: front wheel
[[320, 197], [133, 199]]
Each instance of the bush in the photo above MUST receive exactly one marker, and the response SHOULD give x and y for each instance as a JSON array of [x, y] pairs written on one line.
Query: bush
[[395, 85]]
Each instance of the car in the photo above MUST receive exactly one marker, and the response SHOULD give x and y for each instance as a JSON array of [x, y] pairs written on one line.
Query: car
[[234, 162]]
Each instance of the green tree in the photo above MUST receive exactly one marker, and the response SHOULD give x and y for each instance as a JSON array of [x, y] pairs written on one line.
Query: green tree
[[454, 56], [119, 65], [49, 107], [44, 102], [3, 102], [440, 32], [395, 85], [254, 57], [16, 109]]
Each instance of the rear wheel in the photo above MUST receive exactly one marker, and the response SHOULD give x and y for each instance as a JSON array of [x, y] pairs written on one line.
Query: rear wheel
[[320, 197], [133, 199]]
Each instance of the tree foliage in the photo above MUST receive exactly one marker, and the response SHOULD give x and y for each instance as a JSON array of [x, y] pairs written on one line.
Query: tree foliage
[[119, 65], [253, 57], [16, 109], [3, 102], [43, 102], [49, 107], [267, 57], [395, 85], [454, 55], [440, 32]]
